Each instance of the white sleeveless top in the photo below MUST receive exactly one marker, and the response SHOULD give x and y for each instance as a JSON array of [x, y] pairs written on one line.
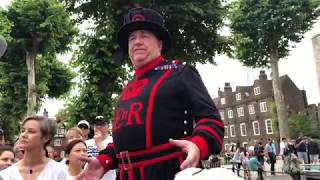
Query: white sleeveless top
[[53, 171]]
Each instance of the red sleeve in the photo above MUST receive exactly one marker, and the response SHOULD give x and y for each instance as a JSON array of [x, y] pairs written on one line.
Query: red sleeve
[[107, 158]]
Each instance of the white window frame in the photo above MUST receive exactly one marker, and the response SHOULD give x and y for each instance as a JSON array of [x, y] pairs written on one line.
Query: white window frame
[[243, 129], [240, 111], [263, 107], [60, 131], [226, 133], [226, 147], [230, 113], [222, 115], [244, 144], [62, 154], [232, 133], [256, 91], [254, 130], [223, 101], [57, 142], [251, 109], [238, 96], [268, 123]]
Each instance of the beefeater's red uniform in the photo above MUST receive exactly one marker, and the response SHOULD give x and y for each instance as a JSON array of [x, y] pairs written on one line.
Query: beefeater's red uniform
[[164, 100]]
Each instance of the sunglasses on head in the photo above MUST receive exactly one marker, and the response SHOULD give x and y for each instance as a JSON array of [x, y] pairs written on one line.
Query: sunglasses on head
[[83, 126]]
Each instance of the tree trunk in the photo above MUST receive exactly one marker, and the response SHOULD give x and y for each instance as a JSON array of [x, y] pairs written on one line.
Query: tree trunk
[[32, 94], [278, 93]]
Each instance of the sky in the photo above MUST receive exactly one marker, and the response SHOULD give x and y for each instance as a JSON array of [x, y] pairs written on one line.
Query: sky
[[299, 66]]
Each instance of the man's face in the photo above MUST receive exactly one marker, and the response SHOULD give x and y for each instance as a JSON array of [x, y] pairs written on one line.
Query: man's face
[[101, 126], [144, 46]]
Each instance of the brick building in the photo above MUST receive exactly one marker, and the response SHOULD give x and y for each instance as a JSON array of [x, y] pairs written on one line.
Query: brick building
[[247, 111]]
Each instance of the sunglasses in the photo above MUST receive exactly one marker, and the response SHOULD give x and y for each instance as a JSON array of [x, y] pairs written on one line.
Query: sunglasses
[[100, 123], [83, 126]]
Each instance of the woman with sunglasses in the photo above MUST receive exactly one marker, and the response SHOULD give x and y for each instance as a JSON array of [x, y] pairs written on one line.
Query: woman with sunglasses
[[36, 133]]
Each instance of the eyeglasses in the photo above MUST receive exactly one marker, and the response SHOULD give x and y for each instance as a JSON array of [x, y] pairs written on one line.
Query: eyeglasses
[[99, 123], [83, 126]]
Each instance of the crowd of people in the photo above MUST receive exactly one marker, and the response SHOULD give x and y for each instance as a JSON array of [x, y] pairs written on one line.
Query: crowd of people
[[258, 158], [32, 156]]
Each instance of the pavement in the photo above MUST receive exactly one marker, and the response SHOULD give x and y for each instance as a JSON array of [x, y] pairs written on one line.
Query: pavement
[[278, 175]]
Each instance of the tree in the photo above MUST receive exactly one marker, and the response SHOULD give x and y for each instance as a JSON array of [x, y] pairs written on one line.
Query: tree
[[104, 67], [264, 31], [53, 79], [302, 122], [39, 27]]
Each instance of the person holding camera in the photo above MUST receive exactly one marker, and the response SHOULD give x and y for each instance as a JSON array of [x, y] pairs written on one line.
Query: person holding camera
[[301, 148]]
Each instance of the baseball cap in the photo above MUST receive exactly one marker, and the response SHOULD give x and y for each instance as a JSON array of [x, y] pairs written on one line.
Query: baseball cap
[[84, 122], [99, 119]]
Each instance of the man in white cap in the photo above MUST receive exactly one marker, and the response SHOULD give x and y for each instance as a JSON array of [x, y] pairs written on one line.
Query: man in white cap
[[100, 141], [85, 128]]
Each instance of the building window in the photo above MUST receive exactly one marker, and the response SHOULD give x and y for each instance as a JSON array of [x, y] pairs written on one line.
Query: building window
[[226, 132], [269, 129], [238, 96], [256, 90], [243, 129], [222, 115], [57, 142], [232, 131], [240, 111], [230, 114], [62, 154], [251, 108], [263, 107], [60, 131], [256, 128], [223, 100]]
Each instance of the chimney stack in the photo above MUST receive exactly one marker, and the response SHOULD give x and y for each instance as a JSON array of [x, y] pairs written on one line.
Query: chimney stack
[[262, 75], [227, 87]]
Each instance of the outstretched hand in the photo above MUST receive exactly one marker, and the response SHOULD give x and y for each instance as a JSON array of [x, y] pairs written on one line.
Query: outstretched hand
[[192, 150], [93, 171]]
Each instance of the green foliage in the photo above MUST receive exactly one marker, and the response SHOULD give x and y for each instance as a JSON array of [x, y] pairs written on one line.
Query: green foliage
[[103, 68], [301, 122], [54, 78], [261, 25], [46, 22], [192, 24], [5, 25]]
